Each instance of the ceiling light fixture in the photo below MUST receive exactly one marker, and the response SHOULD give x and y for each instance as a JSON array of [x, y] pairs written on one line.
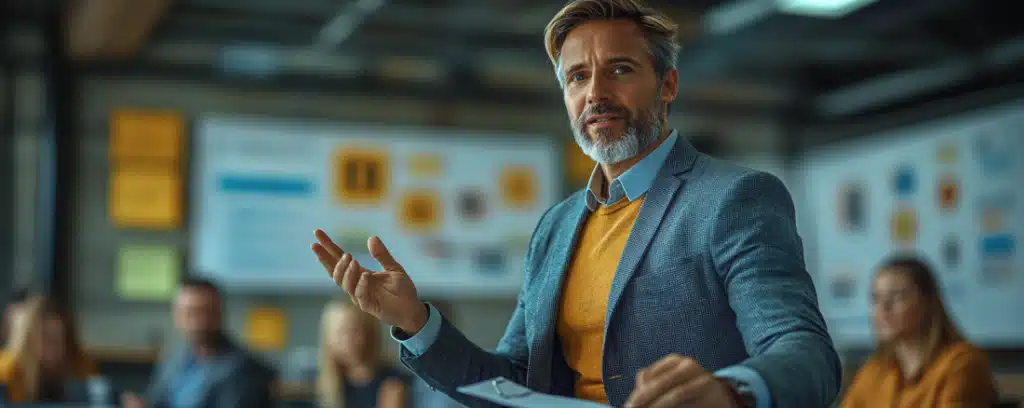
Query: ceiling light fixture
[[821, 8]]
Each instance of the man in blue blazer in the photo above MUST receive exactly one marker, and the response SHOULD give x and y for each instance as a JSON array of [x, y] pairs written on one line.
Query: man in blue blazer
[[672, 280]]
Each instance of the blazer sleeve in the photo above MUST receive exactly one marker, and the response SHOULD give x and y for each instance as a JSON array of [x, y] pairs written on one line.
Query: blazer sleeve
[[968, 382], [759, 256], [452, 361]]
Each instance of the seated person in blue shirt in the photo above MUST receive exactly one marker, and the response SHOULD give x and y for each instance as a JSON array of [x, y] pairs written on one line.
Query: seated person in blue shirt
[[211, 371], [352, 373]]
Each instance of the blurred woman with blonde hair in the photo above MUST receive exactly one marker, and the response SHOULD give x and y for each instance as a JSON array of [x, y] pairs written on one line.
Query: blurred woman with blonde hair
[[352, 373], [43, 353], [922, 359]]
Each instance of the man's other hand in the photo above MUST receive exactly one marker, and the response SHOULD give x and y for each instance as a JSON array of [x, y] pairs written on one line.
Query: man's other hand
[[677, 381]]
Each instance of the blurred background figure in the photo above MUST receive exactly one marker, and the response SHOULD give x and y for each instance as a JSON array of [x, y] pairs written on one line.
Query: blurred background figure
[[922, 359], [352, 372], [43, 356], [17, 298], [211, 370]]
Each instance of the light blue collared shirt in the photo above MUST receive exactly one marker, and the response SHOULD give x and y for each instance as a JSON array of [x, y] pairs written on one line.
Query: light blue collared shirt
[[632, 184]]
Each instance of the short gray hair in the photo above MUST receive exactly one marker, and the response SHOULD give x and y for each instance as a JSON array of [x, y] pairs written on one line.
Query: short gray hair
[[659, 30]]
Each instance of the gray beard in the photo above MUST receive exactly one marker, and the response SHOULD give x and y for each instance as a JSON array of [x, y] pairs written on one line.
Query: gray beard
[[640, 134]]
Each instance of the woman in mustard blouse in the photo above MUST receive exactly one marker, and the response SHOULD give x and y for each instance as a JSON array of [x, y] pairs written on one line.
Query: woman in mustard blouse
[[922, 360]]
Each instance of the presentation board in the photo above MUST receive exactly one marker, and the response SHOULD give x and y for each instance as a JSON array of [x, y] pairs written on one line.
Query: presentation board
[[456, 209], [949, 190]]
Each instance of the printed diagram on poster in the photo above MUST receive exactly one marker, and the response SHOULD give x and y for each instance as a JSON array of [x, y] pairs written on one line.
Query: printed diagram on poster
[[472, 205], [904, 181], [995, 154], [421, 210], [352, 240], [953, 291], [843, 286], [412, 187], [426, 165], [995, 211], [438, 249], [951, 252], [852, 212], [518, 187], [904, 226], [362, 175], [490, 261], [997, 272], [998, 245], [947, 153], [949, 193]]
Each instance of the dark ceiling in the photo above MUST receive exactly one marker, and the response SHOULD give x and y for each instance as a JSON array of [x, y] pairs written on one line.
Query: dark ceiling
[[885, 54]]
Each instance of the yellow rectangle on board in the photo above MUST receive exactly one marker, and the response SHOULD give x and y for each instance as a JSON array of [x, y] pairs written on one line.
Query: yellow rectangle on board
[[146, 197], [151, 135], [266, 329]]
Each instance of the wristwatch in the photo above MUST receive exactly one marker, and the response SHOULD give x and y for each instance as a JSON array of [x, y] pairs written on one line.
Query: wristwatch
[[742, 394]]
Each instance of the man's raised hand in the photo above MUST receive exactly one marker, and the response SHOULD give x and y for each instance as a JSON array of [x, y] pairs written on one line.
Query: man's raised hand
[[389, 294]]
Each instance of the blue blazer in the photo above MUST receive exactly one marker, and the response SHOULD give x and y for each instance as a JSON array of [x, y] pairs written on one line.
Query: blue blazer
[[713, 269]]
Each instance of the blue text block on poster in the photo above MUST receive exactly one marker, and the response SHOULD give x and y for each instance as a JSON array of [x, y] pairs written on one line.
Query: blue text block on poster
[[265, 185]]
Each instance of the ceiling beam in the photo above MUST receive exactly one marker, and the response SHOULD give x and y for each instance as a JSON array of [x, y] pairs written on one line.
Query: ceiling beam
[[100, 29], [904, 85], [374, 85]]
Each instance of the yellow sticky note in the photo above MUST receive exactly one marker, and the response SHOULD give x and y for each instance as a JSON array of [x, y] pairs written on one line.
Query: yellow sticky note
[[146, 197], [147, 272], [146, 134], [267, 329]]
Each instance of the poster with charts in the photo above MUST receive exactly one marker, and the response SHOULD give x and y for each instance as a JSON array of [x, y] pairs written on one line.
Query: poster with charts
[[948, 189], [451, 205]]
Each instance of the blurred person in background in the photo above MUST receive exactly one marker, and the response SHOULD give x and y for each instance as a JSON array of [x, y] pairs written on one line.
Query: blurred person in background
[[17, 298], [921, 359], [352, 372], [684, 277], [211, 370], [43, 354]]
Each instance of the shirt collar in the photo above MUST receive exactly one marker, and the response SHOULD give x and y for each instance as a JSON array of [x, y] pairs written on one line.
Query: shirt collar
[[634, 182]]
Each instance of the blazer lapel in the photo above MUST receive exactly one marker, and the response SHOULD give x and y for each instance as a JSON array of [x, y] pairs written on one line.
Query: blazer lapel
[[656, 203], [549, 296]]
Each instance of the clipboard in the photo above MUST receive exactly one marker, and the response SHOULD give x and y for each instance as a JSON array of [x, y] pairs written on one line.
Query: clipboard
[[505, 392]]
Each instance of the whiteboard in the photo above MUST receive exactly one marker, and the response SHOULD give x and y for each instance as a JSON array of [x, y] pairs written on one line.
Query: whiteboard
[[950, 190], [437, 199]]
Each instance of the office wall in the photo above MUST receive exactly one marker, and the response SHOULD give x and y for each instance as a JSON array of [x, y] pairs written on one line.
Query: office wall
[[28, 120], [105, 320]]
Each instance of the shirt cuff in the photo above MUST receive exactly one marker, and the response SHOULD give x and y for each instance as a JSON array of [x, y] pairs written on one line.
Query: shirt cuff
[[422, 340], [752, 379]]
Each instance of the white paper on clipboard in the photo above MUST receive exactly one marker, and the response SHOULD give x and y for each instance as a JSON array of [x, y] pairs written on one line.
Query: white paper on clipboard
[[507, 393]]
